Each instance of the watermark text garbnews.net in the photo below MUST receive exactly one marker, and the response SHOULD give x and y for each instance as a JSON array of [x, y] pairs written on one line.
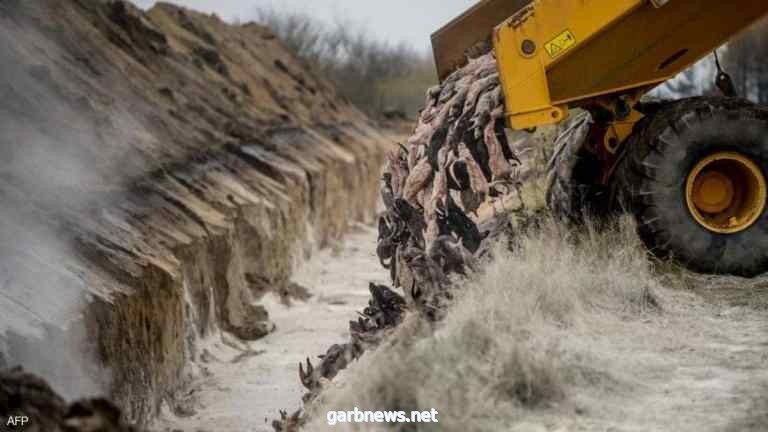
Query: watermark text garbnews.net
[[357, 416]]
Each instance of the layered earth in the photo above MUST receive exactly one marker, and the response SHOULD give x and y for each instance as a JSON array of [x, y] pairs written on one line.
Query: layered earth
[[162, 173]]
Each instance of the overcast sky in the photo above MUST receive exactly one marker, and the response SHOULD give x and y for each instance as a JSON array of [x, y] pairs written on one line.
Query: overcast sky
[[394, 20]]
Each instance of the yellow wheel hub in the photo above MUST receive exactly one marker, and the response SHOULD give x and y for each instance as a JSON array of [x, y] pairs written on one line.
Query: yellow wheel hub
[[726, 192]]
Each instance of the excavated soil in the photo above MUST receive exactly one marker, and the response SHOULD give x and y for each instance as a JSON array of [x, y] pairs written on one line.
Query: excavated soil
[[163, 172]]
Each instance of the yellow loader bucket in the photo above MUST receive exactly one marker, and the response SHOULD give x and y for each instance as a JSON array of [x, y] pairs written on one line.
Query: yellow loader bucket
[[554, 55], [451, 42]]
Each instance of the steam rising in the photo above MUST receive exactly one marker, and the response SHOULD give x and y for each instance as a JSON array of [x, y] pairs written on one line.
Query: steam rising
[[54, 157]]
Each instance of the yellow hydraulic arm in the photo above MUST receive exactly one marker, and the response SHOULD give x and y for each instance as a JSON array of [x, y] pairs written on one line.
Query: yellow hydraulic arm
[[557, 54]]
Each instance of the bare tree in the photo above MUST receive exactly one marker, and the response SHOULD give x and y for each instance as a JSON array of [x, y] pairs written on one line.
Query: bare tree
[[374, 75]]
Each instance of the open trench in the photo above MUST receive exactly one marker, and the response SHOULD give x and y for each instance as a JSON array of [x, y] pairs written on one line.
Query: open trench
[[242, 386]]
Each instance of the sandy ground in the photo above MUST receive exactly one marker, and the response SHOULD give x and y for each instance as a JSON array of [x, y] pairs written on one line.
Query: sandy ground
[[707, 369], [245, 386], [702, 366]]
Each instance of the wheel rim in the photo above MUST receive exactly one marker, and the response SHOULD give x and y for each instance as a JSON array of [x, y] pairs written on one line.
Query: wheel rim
[[726, 192]]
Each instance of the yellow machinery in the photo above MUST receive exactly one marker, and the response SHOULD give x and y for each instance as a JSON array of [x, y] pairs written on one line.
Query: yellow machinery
[[693, 171]]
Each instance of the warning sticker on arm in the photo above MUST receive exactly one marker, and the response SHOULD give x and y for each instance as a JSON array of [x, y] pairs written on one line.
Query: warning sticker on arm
[[560, 44]]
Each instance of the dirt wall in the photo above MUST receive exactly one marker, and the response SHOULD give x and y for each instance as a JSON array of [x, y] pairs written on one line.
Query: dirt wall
[[163, 171]]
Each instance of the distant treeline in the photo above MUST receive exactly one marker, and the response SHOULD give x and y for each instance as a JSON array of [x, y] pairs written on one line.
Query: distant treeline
[[376, 76]]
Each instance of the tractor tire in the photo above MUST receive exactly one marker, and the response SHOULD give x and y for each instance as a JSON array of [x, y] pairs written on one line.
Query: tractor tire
[[574, 192], [720, 227]]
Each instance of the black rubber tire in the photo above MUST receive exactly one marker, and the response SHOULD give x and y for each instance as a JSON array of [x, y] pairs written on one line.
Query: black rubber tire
[[574, 190], [651, 180]]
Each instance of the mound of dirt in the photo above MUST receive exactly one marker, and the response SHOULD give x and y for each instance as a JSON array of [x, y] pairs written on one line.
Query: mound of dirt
[[162, 171]]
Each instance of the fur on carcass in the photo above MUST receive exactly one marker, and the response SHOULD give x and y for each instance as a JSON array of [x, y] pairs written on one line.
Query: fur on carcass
[[457, 159]]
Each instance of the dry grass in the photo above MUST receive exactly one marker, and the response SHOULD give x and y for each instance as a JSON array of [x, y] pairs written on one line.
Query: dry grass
[[517, 341]]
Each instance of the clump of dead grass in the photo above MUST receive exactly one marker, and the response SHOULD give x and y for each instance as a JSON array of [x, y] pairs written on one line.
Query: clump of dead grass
[[517, 340]]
